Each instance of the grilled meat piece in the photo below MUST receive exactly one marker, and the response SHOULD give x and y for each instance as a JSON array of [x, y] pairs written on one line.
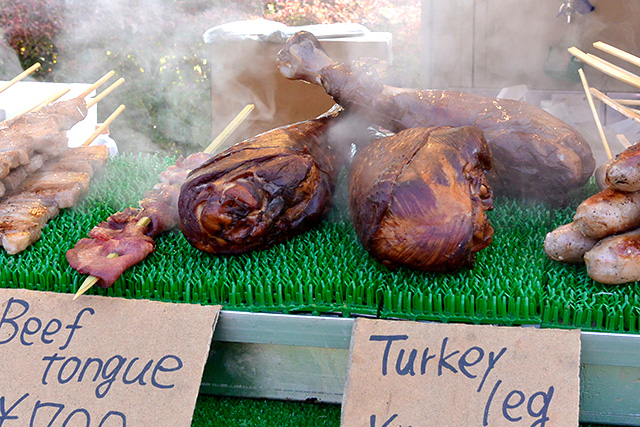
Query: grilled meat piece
[[535, 155], [39, 198], [121, 233], [418, 198], [608, 212], [263, 190], [615, 259], [567, 244], [623, 172]]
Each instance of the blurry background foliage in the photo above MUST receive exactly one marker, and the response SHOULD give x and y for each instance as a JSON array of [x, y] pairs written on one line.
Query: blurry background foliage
[[157, 46]]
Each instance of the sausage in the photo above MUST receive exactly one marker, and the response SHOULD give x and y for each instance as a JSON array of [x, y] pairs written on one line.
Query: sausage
[[567, 244], [624, 171], [600, 175], [616, 259], [608, 212]]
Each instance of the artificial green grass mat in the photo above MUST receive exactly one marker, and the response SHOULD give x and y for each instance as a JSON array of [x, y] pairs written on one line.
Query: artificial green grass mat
[[235, 412], [327, 271]]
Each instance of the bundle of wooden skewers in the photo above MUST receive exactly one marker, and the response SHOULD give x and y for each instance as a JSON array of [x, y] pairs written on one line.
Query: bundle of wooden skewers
[[39, 173], [622, 106]]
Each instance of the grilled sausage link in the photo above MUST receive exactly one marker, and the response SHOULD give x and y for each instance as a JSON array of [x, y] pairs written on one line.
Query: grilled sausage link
[[567, 244], [608, 212], [616, 259], [624, 171]]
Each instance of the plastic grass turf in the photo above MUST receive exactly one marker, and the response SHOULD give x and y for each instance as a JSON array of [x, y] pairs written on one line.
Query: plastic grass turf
[[233, 412], [327, 271]]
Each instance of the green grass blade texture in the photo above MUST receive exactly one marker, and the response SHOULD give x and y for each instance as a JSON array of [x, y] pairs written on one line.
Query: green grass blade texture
[[326, 271]]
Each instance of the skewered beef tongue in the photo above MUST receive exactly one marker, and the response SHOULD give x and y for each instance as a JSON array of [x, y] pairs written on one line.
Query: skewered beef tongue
[[418, 198], [535, 155], [122, 233], [261, 191]]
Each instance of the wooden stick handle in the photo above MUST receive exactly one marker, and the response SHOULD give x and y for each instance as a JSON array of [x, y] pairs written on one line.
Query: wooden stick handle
[[20, 76], [232, 126], [615, 105], [618, 53], [105, 92], [97, 84], [104, 125], [629, 101], [603, 138], [623, 140], [606, 67]]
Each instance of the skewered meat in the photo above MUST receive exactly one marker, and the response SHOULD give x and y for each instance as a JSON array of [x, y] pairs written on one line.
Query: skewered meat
[[608, 212], [418, 198], [122, 233], [623, 172], [615, 259], [567, 244], [533, 152], [42, 132], [263, 190], [23, 215], [22, 218]]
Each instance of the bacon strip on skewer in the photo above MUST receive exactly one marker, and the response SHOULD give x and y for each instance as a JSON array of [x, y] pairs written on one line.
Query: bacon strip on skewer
[[127, 234]]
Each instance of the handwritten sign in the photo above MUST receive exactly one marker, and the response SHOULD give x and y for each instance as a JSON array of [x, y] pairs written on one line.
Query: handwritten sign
[[97, 361], [414, 374]]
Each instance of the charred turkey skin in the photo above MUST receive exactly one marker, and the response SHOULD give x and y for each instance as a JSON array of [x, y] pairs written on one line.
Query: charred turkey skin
[[261, 191], [418, 198]]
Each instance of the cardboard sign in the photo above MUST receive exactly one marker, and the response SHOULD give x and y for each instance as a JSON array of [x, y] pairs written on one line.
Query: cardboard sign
[[100, 361], [414, 374]]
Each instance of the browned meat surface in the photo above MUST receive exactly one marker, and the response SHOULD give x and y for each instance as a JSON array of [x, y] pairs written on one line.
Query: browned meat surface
[[41, 133], [535, 155], [121, 234], [22, 218], [608, 212], [261, 191], [65, 114], [418, 198], [615, 259], [25, 213], [177, 174], [623, 172], [567, 244]]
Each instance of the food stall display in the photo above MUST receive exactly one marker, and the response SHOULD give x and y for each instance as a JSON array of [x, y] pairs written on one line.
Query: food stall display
[[290, 180]]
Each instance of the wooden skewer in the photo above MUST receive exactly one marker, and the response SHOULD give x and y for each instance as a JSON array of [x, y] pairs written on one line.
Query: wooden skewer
[[92, 280], [20, 76], [615, 105], [105, 92], [104, 125], [603, 138], [623, 140], [51, 99], [606, 67], [618, 53], [233, 125], [97, 84], [629, 101], [144, 221], [41, 104]]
